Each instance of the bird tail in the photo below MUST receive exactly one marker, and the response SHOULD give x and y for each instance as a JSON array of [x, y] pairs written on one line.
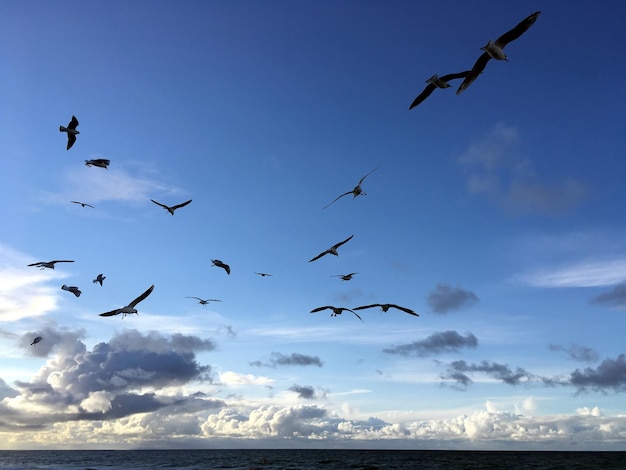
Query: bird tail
[[62, 129]]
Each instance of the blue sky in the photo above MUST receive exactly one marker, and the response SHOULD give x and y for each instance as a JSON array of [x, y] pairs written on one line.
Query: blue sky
[[495, 214]]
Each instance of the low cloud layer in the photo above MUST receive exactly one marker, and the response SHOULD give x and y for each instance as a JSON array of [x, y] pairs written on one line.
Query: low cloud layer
[[445, 298], [576, 352], [615, 297], [437, 343]]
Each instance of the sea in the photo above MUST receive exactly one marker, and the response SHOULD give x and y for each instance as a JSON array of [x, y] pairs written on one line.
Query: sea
[[264, 459]]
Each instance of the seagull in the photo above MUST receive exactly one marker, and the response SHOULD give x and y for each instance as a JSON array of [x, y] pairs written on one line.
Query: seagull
[[71, 131], [73, 289], [344, 277], [99, 278], [84, 204], [130, 308], [332, 250], [172, 208], [220, 264], [336, 311], [36, 340], [385, 307], [357, 191], [101, 162], [203, 301], [50, 264], [263, 274], [494, 50], [437, 82]]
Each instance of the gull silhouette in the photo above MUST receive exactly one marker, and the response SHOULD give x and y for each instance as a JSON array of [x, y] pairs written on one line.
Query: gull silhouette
[[344, 277], [50, 264], [71, 131], [203, 301], [263, 274], [332, 250], [36, 340], [336, 311], [84, 204], [357, 191], [220, 264], [171, 209], [73, 289], [385, 307], [99, 278], [100, 162], [437, 82], [494, 50], [130, 308]]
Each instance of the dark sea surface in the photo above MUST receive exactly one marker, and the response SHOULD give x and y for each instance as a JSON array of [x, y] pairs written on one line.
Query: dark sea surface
[[307, 459]]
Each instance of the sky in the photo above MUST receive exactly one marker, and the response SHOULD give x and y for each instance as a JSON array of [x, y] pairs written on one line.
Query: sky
[[495, 214]]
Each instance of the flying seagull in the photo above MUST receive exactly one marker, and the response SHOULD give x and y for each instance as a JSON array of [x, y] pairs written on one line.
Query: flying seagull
[[71, 131], [336, 311], [73, 289], [357, 191], [263, 274], [385, 307], [344, 277], [172, 208], [99, 278], [437, 82], [130, 308], [100, 162], [494, 50], [36, 340], [220, 264], [84, 204], [332, 250], [203, 301], [50, 264]]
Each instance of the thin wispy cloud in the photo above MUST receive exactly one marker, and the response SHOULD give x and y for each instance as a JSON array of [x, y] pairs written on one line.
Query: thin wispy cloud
[[445, 298], [293, 359], [437, 343], [576, 352], [595, 273], [457, 373], [498, 170]]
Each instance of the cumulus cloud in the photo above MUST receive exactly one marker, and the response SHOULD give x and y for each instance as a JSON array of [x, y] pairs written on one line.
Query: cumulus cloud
[[498, 171], [457, 373], [113, 380], [293, 359], [54, 339], [576, 352], [445, 298], [437, 343], [615, 297], [610, 375]]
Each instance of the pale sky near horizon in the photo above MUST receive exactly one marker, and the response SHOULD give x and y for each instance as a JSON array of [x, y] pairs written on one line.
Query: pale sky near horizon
[[496, 215]]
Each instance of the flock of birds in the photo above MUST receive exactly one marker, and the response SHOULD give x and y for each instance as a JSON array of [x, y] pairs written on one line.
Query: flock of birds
[[492, 50]]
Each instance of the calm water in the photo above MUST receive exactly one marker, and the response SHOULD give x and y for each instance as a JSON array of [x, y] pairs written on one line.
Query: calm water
[[307, 459]]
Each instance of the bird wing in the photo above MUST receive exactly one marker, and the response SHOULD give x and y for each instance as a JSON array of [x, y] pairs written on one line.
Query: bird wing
[[362, 307], [404, 309], [477, 69], [319, 309], [111, 313], [71, 138], [198, 298], [337, 198], [181, 205], [38, 263], [319, 256], [453, 76], [518, 30], [361, 180], [159, 204], [226, 268], [62, 261], [73, 123], [341, 243], [423, 95], [357, 315], [141, 297]]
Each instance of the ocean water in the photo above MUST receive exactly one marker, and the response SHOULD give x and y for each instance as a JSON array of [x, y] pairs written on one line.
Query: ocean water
[[307, 460]]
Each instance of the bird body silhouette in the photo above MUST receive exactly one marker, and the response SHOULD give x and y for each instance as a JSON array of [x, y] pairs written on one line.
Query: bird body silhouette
[[130, 308], [220, 264], [71, 130], [336, 311], [332, 250], [356, 191], [385, 307], [437, 82], [50, 264], [171, 209]]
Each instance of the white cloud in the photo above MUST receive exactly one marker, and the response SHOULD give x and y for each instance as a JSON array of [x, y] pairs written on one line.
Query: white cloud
[[583, 274], [235, 378]]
